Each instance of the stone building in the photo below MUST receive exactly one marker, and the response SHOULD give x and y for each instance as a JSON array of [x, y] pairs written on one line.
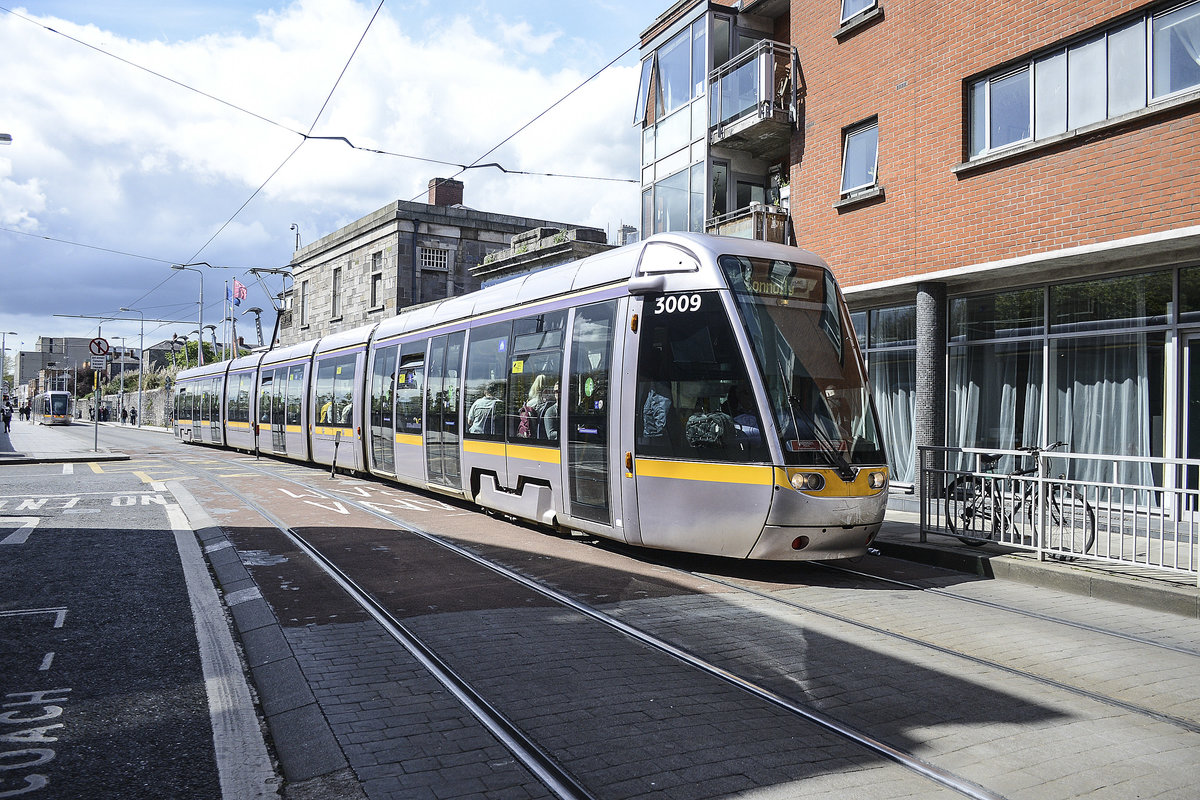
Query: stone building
[[406, 253], [538, 249]]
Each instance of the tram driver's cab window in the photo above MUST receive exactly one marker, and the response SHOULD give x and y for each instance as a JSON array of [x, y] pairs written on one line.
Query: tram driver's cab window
[[694, 399]]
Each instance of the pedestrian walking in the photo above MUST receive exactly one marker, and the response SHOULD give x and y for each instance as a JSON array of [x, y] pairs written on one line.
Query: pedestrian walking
[[124, 416], [133, 416], [7, 417]]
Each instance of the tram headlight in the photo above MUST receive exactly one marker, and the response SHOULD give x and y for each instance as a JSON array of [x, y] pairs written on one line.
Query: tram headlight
[[877, 480], [808, 481]]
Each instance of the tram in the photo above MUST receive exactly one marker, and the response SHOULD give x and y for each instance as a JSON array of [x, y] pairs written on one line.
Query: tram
[[53, 408], [687, 392]]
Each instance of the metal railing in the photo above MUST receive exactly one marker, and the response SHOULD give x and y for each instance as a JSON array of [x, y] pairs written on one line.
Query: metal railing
[[758, 221], [754, 81], [1120, 509]]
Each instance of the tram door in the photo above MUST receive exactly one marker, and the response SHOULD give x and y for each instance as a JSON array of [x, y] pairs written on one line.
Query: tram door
[[200, 411], [442, 410], [279, 387], [383, 407], [588, 412]]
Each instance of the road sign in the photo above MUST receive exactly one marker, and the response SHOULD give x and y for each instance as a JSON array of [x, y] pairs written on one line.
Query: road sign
[[99, 363], [98, 346]]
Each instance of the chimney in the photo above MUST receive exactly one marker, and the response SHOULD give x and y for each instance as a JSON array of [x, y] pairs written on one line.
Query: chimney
[[445, 192]]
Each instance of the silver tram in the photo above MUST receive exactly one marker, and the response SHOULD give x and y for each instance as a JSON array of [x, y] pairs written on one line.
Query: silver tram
[[53, 408], [688, 392]]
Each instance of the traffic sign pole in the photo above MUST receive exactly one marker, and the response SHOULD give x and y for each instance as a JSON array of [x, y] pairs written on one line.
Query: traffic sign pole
[[96, 410]]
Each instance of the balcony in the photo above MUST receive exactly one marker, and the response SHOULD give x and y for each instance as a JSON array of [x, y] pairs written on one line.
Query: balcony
[[750, 97], [765, 223]]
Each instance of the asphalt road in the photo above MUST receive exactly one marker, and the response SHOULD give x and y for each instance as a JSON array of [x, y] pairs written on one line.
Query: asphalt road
[[101, 688]]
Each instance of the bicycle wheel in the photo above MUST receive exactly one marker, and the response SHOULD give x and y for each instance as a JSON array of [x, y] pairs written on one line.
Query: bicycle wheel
[[1072, 523], [970, 514]]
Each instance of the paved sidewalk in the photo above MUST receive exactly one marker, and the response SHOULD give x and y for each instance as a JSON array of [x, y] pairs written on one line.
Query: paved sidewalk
[[1172, 592], [31, 443]]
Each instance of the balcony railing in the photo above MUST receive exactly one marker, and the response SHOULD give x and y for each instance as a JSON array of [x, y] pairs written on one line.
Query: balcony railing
[[749, 100], [765, 223]]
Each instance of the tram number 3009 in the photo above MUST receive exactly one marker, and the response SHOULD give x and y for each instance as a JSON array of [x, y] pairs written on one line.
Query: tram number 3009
[[677, 304]]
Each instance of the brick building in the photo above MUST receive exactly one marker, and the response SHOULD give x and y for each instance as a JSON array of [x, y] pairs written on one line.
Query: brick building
[[404, 254], [1006, 191]]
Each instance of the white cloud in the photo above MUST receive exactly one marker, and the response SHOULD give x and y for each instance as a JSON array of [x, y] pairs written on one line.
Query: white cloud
[[109, 155]]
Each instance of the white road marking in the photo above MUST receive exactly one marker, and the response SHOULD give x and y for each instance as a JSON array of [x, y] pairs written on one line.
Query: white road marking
[[242, 759], [25, 526]]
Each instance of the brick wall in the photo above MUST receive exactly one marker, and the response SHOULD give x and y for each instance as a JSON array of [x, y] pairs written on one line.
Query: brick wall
[[909, 69]]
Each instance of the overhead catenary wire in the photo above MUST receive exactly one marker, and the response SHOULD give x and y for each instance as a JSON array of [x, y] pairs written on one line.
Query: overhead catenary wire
[[305, 137], [308, 136]]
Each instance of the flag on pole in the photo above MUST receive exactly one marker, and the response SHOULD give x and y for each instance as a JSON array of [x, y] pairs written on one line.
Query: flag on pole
[[239, 292]]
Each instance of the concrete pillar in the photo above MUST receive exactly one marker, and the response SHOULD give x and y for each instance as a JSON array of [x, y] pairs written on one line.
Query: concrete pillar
[[929, 427]]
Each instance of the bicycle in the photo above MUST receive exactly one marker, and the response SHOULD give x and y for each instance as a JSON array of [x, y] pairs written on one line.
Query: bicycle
[[980, 509]]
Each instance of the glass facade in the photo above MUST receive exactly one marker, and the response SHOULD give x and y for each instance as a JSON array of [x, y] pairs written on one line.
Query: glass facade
[[671, 108], [1096, 364]]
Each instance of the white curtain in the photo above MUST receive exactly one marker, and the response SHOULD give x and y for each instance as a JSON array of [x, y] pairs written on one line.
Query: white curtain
[[893, 377], [1103, 403], [990, 385]]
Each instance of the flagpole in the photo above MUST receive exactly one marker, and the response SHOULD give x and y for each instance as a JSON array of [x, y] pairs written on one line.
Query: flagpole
[[225, 326]]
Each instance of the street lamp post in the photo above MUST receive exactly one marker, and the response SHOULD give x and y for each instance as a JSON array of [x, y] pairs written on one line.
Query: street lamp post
[[212, 332], [141, 359], [200, 315], [4, 359]]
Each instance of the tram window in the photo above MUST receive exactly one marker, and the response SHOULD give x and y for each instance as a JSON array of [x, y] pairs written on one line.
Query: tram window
[[487, 362], [335, 384], [295, 390], [325, 373], [266, 379], [238, 401], [535, 378], [694, 398], [410, 387], [216, 399]]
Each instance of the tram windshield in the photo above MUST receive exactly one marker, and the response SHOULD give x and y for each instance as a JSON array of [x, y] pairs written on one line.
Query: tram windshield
[[818, 392], [60, 404]]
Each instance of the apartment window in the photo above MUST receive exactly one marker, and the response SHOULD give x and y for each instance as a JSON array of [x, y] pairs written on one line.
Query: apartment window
[[336, 300], [1176, 45], [676, 71], [434, 258], [1118, 71], [376, 280], [303, 303], [376, 290], [860, 156], [852, 7]]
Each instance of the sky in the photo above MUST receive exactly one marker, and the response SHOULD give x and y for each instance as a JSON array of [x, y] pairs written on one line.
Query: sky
[[146, 134]]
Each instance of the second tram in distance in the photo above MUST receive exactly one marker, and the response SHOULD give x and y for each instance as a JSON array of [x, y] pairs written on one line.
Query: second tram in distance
[[52, 408], [688, 392]]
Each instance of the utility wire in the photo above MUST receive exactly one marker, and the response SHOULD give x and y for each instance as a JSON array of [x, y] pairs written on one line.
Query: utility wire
[[152, 72], [476, 165], [291, 130], [295, 150]]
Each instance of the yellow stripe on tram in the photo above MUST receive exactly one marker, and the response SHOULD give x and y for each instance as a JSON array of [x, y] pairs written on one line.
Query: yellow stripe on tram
[[708, 472]]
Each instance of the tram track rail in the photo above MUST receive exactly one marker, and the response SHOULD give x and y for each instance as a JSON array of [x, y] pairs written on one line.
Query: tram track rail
[[1180, 722], [541, 764], [1010, 609]]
